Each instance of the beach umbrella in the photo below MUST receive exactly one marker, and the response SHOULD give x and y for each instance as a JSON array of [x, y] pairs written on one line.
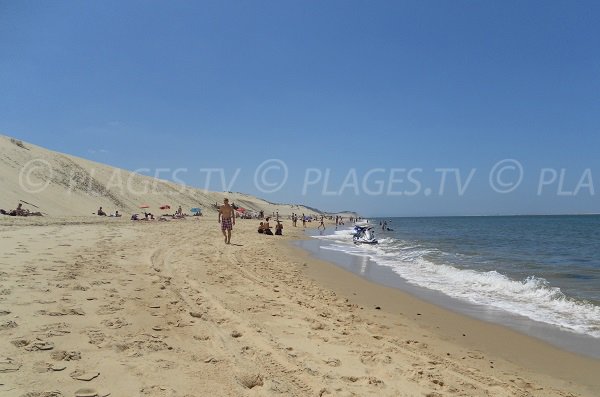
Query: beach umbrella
[[144, 206], [196, 210], [242, 210]]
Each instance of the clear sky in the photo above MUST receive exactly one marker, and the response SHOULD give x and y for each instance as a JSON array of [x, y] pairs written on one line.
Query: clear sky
[[370, 92]]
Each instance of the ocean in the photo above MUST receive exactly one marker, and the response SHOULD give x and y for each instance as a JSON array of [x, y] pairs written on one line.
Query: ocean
[[542, 268]]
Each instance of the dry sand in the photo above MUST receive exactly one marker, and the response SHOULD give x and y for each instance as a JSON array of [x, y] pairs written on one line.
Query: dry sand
[[112, 307]]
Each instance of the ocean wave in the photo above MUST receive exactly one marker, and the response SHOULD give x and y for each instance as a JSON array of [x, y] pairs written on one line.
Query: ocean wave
[[532, 297]]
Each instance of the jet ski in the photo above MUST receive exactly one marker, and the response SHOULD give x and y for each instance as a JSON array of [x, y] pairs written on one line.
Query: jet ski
[[364, 235]]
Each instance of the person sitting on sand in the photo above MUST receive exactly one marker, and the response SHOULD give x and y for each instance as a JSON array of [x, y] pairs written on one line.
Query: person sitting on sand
[[101, 212], [117, 214], [20, 211], [267, 227], [279, 229], [261, 228]]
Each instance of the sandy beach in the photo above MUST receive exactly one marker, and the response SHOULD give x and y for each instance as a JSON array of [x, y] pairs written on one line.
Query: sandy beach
[[454, 145], [98, 307]]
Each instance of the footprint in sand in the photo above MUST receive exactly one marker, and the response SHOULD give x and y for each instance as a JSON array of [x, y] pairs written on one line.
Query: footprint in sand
[[475, 355], [41, 367], [73, 311], [110, 308], [333, 362], [86, 392], [34, 345], [250, 380], [43, 394], [95, 336], [236, 334], [165, 364], [84, 375], [373, 358], [9, 365], [363, 380], [40, 345], [115, 323], [53, 329], [61, 355], [8, 325], [158, 391], [138, 345], [522, 383]]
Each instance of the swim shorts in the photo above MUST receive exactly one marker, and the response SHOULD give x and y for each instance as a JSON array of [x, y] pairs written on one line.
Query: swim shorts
[[226, 224]]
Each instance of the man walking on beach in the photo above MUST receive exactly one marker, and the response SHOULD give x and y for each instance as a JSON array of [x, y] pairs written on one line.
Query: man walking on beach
[[226, 219]]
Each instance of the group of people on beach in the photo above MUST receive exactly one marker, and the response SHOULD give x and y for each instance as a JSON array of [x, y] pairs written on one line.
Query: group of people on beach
[[148, 216], [101, 212], [20, 211], [227, 219], [265, 228]]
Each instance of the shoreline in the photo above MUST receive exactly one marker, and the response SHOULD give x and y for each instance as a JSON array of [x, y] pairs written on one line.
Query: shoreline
[[454, 327], [368, 269], [166, 308]]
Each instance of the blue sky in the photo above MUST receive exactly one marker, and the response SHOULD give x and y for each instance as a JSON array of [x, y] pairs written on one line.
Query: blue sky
[[344, 86]]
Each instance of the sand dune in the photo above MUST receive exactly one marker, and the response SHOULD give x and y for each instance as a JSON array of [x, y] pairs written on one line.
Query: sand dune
[[60, 185]]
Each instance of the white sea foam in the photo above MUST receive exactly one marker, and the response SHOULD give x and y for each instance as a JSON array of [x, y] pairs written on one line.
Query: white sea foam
[[532, 297]]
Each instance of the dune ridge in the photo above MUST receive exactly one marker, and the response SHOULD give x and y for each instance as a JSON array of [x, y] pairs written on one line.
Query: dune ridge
[[63, 185]]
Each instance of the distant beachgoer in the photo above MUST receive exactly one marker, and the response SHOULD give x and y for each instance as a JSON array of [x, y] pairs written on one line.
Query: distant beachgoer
[[227, 220], [279, 229], [148, 216], [20, 211], [101, 212], [267, 227], [321, 224], [303, 221], [260, 228]]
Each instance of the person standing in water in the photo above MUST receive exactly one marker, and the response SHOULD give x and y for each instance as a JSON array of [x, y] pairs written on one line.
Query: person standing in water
[[227, 220], [321, 224]]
